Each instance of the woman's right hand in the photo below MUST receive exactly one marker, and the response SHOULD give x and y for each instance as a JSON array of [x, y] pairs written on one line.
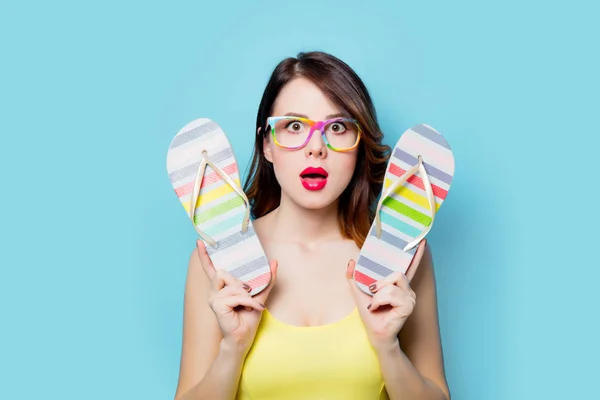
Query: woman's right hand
[[237, 312]]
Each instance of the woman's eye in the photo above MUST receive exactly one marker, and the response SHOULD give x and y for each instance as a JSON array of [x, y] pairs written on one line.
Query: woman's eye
[[295, 126], [337, 128]]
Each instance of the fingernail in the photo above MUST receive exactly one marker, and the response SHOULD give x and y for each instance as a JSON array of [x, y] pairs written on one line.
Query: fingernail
[[372, 287], [368, 307], [247, 287]]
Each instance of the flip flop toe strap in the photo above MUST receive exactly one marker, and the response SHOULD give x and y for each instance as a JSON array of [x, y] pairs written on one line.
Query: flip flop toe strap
[[196, 192], [419, 167]]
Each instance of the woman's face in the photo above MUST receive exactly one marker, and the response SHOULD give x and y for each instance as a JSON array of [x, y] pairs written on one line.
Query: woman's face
[[300, 97]]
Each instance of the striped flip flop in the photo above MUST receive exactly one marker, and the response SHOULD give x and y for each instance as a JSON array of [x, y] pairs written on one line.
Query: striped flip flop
[[417, 180], [204, 174]]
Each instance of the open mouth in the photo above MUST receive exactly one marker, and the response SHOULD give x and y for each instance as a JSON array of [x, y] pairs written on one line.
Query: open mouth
[[314, 178]]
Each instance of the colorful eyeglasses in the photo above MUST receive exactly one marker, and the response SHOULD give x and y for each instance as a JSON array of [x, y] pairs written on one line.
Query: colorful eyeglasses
[[292, 133]]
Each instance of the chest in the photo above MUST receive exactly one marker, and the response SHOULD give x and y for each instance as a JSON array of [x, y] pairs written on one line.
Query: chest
[[311, 286]]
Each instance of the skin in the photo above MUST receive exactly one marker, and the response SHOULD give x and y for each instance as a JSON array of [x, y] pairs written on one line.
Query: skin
[[302, 239]]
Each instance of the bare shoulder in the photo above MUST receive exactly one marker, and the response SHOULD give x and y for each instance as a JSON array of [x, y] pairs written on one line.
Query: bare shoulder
[[262, 226], [259, 224], [420, 337], [201, 333], [197, 283]]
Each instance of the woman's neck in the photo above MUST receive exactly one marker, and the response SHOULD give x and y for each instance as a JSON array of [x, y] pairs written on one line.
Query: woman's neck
[[294, 223]]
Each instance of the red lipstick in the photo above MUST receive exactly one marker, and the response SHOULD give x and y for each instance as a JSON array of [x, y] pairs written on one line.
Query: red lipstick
[[314, 178]]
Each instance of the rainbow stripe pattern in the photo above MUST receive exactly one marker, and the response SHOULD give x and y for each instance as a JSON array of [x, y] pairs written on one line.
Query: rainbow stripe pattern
[[406, 212], [219, 210]]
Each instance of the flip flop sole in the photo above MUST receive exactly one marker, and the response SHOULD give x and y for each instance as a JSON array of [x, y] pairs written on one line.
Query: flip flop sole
[[405, 213], [219, 210]]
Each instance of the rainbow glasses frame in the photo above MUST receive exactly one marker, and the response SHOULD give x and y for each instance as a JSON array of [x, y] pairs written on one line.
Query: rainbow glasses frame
[[314, 125]]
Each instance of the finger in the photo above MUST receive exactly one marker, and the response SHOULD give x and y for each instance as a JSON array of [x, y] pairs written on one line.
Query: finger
[[229, 281], [350, 277], [263, 295], [393, 297], [231, 291], [385, 292], [414, 264], [205, 260], [403, 283], [212, 273], [223, 278], [391, 279], [244, 301], [350, 270], [360, 298]]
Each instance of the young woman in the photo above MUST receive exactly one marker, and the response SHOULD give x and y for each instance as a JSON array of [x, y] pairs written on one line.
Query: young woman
[[312, 334]]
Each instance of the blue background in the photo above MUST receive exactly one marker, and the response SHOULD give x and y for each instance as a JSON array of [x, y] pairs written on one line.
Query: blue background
[[94, 244]]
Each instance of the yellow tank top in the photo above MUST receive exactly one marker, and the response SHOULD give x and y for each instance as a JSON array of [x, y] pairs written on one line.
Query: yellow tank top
[[329, 362]]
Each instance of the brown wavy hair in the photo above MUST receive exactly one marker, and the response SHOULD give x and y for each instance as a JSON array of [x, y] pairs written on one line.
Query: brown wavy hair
[[344, 88]]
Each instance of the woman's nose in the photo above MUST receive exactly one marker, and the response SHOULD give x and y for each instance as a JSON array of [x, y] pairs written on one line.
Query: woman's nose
[[316, 145]]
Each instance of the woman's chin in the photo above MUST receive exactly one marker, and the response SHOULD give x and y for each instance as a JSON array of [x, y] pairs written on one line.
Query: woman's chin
[[315, 200]]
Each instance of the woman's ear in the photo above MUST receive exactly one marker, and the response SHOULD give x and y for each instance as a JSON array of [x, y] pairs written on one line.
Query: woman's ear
[[267, 149]]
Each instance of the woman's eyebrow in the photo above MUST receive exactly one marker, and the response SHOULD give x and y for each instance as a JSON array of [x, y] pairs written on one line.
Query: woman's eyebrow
[[330, 116], [295, 114]]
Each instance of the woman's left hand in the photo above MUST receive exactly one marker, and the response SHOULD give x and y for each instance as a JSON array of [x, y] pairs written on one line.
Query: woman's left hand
[[393, 301]]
